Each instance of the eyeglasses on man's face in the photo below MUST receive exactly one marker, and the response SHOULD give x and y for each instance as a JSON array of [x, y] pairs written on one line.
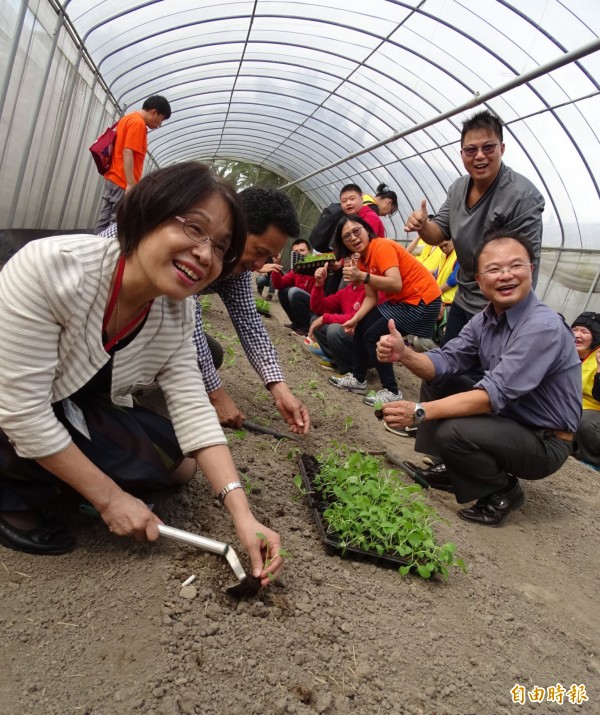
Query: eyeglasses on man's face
[[199, 235], [474, 150], [514, 269], [353, 232]]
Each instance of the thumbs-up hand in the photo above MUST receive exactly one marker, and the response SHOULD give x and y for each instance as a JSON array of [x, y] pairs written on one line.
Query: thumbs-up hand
[[417, 219], [321, 275], [390, 348], [350, 271]]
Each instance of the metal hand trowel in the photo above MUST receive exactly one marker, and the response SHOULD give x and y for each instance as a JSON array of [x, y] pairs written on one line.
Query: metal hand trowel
[[246, 586]]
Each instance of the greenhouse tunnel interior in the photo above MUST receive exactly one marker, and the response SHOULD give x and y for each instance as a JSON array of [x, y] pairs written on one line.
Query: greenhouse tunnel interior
[[308, 98]]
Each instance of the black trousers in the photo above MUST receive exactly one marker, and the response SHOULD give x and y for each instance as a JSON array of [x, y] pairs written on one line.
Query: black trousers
[[484, 453]]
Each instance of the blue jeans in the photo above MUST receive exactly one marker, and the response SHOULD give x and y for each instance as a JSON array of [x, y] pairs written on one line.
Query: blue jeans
[[296, 303], [336, 345], [263, 280]]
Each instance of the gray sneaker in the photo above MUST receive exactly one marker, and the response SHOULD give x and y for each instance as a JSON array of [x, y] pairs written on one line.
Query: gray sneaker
[[349, 382], [382, 396]]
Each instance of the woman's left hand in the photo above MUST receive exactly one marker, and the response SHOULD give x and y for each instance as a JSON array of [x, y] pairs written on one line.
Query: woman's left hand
[[264, 552]]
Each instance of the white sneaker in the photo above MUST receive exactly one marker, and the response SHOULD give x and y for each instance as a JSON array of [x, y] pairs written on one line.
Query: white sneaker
[[401, 431], [382, 396], [349, 382]]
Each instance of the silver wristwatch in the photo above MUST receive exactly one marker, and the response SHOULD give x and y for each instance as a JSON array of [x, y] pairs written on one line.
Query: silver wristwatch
[[418, 414]]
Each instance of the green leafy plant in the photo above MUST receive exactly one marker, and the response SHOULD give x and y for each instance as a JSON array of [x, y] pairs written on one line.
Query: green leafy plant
[[299, 485], [248, 484], [284, 553], [378, 407], [310, 263], [229, 357], [369, 508], [263, 306], [348, 422], [205, 303]]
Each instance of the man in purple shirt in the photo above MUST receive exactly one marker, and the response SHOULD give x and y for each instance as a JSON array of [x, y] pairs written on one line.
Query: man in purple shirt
[[518, 420]]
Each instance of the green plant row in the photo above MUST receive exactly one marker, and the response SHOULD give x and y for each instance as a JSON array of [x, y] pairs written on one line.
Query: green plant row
[[262, 305], [371, 509], [312, 257]]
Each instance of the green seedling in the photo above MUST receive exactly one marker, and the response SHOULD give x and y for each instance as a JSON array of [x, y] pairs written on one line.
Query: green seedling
[[348, 422], [299, 485], [230, 356], [248, 485], [284, 553], [378, 407], [240, 434], [205, 303], [306, 265], [263, 306], [371, 509], [293, 452]]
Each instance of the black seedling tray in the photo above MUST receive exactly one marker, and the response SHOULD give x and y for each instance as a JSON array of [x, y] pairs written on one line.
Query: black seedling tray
[[309, 465], [309, 267]]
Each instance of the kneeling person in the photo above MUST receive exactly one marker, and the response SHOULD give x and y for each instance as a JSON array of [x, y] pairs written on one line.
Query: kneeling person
[[332, 312], [516, 422], [294, 291]]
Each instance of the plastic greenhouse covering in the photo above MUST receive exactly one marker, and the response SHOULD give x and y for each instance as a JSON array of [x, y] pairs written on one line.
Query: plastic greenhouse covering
[[319, 93]]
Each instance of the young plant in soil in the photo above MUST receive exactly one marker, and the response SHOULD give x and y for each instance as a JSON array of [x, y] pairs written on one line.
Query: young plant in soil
[[263, 306], [269, 558], [369, 508]]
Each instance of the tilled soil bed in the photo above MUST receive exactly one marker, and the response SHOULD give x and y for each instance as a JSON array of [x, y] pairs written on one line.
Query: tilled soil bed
[[106, 630]]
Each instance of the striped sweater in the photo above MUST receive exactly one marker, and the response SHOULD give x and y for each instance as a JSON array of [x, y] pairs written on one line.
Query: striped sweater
[[53, 294]]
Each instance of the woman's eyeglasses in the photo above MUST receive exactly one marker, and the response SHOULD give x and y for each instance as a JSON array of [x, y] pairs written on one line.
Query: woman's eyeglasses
[[197, 234], [353, 232]]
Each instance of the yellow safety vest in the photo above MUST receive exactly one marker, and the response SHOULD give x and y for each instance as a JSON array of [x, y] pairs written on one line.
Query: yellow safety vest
[[588, 371], [446, 269]]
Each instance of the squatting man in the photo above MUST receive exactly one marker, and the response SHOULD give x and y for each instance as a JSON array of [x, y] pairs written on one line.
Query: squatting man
[[516, 422]]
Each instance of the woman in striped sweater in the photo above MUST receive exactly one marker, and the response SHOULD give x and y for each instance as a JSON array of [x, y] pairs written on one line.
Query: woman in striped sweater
[[85, 321]]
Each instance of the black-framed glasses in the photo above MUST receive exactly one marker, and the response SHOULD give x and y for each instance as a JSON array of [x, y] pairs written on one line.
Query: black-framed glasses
[[498, 271], [486, 149], [196, 233], [353, 232]]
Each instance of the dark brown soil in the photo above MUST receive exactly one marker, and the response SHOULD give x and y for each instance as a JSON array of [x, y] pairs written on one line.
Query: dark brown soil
[[107, 629]]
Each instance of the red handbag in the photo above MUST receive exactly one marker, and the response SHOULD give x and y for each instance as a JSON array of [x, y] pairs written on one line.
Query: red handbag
[[102, 149]]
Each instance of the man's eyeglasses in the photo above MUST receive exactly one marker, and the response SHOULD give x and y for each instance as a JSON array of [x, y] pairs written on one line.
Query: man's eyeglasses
[[197, 234], [486, 149], [515, 269], [353, 232]]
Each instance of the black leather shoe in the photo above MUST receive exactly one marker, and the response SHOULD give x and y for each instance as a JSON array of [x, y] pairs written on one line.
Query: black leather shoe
[[494, 509], [50, 537], [435, 477]]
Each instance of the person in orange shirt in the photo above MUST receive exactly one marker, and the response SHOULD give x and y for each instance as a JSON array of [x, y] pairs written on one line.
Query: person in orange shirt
[[397, 287], [129, 153]]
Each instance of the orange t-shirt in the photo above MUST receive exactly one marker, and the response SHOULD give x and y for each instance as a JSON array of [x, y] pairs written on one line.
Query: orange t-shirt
[[417, 282], [132, 133]]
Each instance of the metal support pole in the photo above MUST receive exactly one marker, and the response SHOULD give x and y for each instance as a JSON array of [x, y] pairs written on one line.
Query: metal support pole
[[35, 113], [12, 54], [565, 59]]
